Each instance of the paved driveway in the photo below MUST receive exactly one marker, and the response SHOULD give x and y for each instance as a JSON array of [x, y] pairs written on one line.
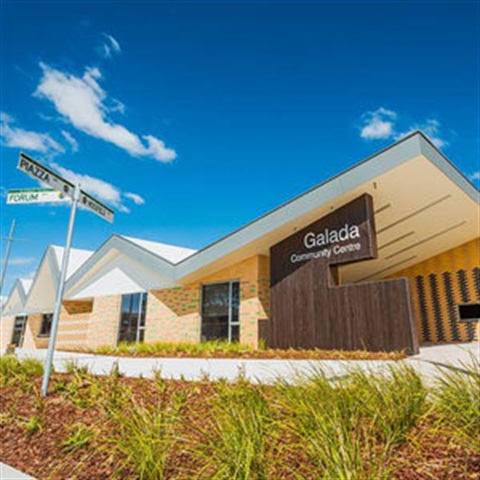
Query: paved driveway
[[430, 360]]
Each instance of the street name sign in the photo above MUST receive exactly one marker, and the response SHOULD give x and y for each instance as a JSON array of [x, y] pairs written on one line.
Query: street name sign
[[35, 195], [43, 174], [64, 187]]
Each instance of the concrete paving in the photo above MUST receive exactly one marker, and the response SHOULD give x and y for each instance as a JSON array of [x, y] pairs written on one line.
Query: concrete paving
[[9, 473], [429, 362]]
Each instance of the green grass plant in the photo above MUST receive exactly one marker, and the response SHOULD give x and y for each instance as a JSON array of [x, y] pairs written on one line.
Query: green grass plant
[[20, 372], [393, 400], [234, 443], [456, 402], [144, 437], [80, 437], [209, 349]]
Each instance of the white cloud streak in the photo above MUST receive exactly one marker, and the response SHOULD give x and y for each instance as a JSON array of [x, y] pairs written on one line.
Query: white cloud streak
[[71, 141], [109, 46], [381, 124], [136, 199], [475, 176], [20, 261], [104, 191], [82, 102], [15, 137], [431, 128]]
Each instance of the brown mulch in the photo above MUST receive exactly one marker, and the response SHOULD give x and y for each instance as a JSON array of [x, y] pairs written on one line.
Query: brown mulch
[[428, 455]]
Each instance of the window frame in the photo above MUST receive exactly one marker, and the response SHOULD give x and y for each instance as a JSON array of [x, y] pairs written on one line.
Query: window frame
[[230, 307], [142, 310], [21, 337], [41, 333]]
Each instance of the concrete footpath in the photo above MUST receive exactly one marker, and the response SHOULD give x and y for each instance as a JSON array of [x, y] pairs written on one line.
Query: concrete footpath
[[9, 473], [429, 362]]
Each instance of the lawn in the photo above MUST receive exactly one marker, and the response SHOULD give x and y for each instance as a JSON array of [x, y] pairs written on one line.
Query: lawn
[[224, 349], [359, 427]]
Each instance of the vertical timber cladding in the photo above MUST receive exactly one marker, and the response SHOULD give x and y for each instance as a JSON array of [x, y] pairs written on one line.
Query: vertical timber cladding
[[308, 307]]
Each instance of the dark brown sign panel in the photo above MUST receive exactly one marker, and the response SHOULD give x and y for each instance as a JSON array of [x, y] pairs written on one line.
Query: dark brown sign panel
[[346, 235], [308, 307]]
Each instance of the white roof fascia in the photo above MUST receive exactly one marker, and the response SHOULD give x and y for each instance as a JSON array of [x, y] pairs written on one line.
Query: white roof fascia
[[391, 157], [125, 246]]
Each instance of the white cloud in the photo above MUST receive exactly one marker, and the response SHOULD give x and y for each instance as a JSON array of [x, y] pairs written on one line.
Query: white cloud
[[20, 261], [109, 46], [431, 128], [382, 124], [104, 191], [136, 199], [83, 102], [378, 124], [16, 137], [71, 141], [475, 175]]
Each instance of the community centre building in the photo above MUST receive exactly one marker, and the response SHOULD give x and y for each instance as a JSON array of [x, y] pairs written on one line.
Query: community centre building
[[378, 257]]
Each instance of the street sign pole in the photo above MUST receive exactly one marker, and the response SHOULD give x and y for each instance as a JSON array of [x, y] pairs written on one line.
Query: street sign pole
[[60, 289], [7, 254]]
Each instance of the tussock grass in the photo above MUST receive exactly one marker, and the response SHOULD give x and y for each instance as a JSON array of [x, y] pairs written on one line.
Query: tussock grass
[[234, 444], [349, 426], [144, 437], [80, 437], [20, 372], [456, 401]]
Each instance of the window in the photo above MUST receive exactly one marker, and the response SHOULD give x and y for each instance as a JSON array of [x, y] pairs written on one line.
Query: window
[[132, 318], [46, 326], [220, 311], [19, 330]]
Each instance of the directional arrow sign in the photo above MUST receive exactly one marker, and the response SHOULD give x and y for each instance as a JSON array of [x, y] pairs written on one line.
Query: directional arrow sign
[[43, 174], [35, 195]]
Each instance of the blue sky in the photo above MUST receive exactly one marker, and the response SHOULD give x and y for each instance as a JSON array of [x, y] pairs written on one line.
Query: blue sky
[[192, 118]]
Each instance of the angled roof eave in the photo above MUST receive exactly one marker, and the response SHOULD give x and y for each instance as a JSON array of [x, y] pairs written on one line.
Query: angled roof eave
[[402, 151], [131, 249]]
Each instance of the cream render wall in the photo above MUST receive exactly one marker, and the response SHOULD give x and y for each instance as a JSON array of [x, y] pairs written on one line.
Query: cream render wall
[[6, 329]]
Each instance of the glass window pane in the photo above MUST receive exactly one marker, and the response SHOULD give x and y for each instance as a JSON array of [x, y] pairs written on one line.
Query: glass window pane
[[46, 326], [135, 302], [143, 316], [19, 330], [235, 302], [215, 306], [130, 318], [235, 333]]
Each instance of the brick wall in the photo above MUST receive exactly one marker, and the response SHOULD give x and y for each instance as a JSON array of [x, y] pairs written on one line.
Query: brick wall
[[173, 314]]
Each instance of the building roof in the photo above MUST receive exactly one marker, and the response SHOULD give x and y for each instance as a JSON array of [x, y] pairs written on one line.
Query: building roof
[[171, 253], [126, 265], [43, 288], [16, 299], [423, 206]]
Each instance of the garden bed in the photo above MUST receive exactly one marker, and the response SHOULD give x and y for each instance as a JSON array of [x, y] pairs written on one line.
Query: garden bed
[[220, 349], [368, 428]]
